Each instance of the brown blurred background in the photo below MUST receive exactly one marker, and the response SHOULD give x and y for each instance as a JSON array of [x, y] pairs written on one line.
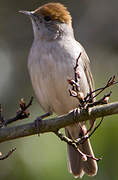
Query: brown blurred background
[[96, 27]]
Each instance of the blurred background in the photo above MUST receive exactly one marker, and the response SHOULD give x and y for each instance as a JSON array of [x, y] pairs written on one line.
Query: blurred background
[[96, 27]]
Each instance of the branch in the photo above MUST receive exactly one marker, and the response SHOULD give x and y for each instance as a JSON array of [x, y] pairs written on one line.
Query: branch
[[22, 113], [52, 125], [8, 154]]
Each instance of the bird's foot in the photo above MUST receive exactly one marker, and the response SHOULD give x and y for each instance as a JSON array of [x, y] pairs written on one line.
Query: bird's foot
[[38, 121], [75, 113]]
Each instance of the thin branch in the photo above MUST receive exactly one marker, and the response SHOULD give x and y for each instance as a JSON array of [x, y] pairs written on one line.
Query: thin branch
[[88, 100], [51, 125], [87, 136], [22, 113], [75, 146], [101, 101], [109, 83], [8, 154]]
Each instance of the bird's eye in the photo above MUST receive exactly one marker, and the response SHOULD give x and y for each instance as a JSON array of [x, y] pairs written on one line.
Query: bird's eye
[[47, 18]]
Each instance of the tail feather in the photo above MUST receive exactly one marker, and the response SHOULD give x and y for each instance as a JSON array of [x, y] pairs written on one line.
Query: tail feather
[[75, 162], [89, 166]]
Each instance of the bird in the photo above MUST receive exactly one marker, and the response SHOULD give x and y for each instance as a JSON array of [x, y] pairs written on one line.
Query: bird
[[51, 62]]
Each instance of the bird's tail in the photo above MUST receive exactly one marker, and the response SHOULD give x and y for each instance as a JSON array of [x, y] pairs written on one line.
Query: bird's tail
[[77, 166]]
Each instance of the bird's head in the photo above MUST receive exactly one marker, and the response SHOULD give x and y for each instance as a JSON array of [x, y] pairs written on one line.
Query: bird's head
[[50, 21]]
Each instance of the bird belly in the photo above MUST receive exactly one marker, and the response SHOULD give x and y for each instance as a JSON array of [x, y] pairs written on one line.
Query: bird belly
[[49, 70], [49, 80], [50, 84]]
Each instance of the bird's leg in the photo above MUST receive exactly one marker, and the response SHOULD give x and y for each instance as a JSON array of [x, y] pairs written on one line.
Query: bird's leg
[[39, 119], [75, 111]]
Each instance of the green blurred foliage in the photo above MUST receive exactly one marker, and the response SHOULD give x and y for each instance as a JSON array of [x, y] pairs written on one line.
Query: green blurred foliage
[[44, 157]]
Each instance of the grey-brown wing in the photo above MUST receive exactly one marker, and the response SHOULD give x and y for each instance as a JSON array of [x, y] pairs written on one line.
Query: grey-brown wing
[[89, 77], [87, 70]]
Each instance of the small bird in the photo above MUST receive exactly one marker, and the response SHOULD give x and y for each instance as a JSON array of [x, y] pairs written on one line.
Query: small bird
[[51, 62]]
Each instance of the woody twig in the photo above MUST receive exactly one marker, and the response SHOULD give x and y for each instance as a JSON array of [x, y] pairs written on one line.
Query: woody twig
[[74, 144], [22, 113], [85, 102], [8, 154]]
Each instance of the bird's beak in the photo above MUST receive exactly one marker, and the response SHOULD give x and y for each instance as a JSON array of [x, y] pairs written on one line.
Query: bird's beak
[[29, 13]]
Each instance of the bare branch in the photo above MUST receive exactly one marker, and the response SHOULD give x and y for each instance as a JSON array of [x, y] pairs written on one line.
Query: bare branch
[[109, 83], [51, 125], [74, 145], [22, 113], [8, 154]]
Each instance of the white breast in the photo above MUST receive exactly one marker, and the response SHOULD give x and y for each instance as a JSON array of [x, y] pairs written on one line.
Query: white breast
[[50, 65]]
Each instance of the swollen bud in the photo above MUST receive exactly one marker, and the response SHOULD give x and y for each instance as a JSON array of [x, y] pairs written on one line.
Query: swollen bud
[[84, 158], [73, 93], [80, 96], [106, 99]]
